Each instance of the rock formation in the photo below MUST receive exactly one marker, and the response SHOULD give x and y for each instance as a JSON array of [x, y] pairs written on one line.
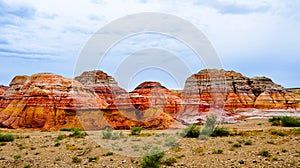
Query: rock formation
[[152, 95], [103, 85], [94, 100], [46, 101], [2, 89], [124, 109], [209, 88]]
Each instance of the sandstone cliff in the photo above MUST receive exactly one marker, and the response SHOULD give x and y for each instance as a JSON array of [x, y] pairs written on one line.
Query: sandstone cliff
[[127, 109], [234, 91], [46, 101]]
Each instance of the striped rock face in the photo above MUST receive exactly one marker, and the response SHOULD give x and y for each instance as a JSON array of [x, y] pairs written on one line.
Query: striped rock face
[[219, 89], [46, 101], [125, 109]]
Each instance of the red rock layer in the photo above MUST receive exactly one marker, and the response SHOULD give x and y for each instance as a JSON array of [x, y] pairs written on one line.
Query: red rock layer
[[118, 120], [2, 89], [277, 99], [128, 109], [211, 88], [46, 101], [154, 95], [103, 85]]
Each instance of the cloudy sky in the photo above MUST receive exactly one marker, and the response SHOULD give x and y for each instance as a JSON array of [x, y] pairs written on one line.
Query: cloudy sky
[[256, 38]]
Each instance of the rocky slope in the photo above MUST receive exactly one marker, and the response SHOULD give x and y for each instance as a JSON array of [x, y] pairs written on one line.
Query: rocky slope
[[51, 101], [46, 101], [152, 95], [124, 110], [102, 84], [2, 89], [235, 91]]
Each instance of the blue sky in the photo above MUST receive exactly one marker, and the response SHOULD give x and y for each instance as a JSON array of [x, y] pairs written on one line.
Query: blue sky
[[256, 38]]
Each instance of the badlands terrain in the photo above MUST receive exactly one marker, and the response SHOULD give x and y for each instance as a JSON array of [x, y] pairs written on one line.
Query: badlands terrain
[[55, 121]]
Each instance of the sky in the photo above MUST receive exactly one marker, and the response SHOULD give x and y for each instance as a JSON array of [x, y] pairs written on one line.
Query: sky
[[255, 38]]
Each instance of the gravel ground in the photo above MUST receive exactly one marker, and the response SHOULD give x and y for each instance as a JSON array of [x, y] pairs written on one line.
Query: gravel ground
[[253, 145]]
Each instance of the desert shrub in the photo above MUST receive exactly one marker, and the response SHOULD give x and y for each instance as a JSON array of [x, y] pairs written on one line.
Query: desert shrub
[[198, 150], [170, 141], [279, 133], [6, 137], [222, 131], [21, 147], [248, 142], [76, 159], [170, 161], [153, 159], [78, 134], [135, 130], [107, 133], [17, 157], [192, 131], [236, 145], [27, 166], [61, 137], [93, 159], [117, 135], [71, 129], [218, 151], [209, 125], [265, 153], [276, 121], [275, 158], [108, 153], [287, 121]]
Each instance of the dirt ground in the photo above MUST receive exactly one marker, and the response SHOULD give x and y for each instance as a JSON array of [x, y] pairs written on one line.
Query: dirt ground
[[254, 143]]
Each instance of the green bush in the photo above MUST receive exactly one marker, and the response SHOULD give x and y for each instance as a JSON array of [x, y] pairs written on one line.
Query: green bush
[[248, 142], [61, 137], [76, 159], [192, 131], [279, 133], [219, 132], [117, 135], [209, 125], [218, 151], [73, 129], [78, 134], [136, 130], [107, 133], [265, 153], [27, 166], [17, 157], [152, 160], [236, 145], [287, 121], [6, 137], [170, 161], [170, 141], [274, 119], [93, 159], [108, 153]]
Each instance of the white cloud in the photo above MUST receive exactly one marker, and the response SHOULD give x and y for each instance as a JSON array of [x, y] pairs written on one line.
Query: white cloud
[[239, 30]]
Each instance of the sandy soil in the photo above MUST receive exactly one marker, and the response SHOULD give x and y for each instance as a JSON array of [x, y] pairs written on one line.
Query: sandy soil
[[42, 149]]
